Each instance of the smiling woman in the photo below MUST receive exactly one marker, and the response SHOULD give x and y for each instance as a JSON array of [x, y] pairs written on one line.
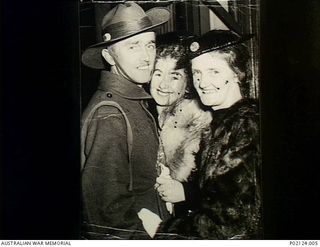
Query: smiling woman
[[129, 60], [168, 84], [229, 173], [214, 80], [182, 121]]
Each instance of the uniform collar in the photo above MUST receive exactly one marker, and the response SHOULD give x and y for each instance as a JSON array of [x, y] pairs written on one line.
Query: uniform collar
[[121, 86]]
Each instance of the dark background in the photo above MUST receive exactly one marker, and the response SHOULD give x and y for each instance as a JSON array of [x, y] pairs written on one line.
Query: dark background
[[40, 115]]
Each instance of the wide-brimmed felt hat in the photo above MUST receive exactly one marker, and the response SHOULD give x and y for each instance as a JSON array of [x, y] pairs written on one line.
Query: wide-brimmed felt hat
[[123, 21], [214, 40]]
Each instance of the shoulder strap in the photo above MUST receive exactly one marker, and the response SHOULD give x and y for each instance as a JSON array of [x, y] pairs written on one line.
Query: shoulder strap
[[84, 131]]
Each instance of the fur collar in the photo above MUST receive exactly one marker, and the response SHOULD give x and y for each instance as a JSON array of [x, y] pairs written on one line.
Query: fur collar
[[182, 127]]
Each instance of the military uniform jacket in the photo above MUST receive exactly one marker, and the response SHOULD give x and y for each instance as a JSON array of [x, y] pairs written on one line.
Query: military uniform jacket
[[115, 186]]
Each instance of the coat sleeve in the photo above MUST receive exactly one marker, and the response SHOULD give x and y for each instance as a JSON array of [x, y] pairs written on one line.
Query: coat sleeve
[[105, 178], [230, 190]]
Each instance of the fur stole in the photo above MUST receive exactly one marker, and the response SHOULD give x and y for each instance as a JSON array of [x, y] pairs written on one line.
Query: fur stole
[[182, 128]]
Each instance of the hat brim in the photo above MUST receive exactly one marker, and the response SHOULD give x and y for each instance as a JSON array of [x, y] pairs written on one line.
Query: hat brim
[[92, 57], [240, 40]]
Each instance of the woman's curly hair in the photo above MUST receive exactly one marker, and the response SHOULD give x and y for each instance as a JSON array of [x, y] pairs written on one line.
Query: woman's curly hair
[[178, 52]]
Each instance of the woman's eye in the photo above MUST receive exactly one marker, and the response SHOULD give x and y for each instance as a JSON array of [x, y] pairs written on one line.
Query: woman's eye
[[214, 71], [175, 76], [195, 73]]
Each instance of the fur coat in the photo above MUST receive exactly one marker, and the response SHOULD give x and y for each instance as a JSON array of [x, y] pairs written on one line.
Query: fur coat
[[181, 128], [228, 179]]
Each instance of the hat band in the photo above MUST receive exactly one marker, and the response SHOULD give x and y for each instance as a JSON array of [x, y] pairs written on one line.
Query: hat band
[[124, 28]]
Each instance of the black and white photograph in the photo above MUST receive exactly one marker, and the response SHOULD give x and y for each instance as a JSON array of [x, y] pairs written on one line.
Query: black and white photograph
[[159, 120], [170, 137]]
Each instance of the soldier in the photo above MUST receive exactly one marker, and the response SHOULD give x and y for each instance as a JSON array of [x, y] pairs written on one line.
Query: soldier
[[119, 135]]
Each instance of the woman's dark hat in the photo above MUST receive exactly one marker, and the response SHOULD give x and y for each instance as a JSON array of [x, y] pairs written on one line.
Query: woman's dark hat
[[175, 37], [180, 38], [123, 21], [214, 40]]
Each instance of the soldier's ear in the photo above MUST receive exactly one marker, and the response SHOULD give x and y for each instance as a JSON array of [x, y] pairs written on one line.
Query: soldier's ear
[[108, 57]]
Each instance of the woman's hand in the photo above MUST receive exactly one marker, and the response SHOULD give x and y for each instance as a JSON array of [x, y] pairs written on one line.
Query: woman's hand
[[170, 190]]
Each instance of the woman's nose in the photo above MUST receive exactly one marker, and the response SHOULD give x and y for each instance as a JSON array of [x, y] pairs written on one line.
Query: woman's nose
[[203, 81], [164, 82]]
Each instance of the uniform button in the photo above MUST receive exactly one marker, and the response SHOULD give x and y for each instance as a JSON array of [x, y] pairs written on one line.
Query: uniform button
[[109, 95]]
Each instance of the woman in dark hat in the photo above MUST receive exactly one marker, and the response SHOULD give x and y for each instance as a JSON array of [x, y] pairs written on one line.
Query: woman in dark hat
[[229, 172], [181, 122]]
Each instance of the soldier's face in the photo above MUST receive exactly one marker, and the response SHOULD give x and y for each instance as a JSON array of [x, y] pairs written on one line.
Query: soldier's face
[[134, 57]]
